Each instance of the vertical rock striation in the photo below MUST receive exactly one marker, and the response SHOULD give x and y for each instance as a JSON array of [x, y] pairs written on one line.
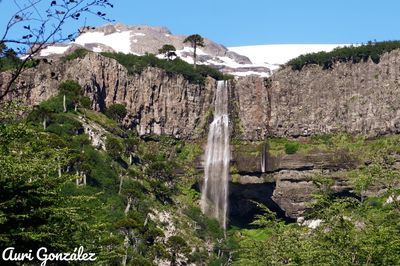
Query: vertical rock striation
[[157, 102]]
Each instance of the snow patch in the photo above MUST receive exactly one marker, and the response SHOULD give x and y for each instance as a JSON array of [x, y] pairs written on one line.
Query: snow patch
[[279, 54], [119, 41], [138, 34], [49, 50], [249, 73], [97, 50], [191, 51]]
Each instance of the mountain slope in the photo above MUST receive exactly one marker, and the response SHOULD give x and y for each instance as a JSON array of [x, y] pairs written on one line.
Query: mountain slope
[[140, 40]]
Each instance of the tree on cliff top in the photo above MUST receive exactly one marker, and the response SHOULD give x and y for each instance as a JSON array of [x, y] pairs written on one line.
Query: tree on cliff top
[[168, 50], [196, 41], [39, 23]]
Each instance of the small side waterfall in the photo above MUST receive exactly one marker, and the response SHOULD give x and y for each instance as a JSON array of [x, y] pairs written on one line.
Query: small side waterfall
[[214, 198], [264, 158]]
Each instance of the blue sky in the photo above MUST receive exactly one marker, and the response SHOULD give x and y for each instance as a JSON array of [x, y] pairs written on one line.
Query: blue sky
[[235, 23]]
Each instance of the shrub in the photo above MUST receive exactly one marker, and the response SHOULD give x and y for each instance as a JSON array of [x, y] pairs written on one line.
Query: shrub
[[70, 88], [78, 53], [114, 147], [292, 147], [116, 111], [86, 102], [55, 104], [63, 125]]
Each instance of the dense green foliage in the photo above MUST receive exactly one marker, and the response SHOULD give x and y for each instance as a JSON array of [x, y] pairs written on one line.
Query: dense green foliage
[[116, 111], [60, 192], [351, 233], [291, 148], [9, 59], [33, 212], [355, 54], [136, 64]]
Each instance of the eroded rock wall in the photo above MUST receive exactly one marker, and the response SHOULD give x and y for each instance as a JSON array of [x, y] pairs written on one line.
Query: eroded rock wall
[[361, 98], [157, 102]]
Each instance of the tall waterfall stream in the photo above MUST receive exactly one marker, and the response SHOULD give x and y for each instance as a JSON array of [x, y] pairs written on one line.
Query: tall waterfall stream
[[214, 199]]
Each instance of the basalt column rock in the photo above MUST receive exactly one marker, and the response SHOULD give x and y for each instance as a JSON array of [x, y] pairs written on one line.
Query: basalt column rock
[[157, 102], [362, 98], [250, 107]]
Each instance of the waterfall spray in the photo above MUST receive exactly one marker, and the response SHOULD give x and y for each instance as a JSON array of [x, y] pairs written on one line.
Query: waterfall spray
[[214, 198]]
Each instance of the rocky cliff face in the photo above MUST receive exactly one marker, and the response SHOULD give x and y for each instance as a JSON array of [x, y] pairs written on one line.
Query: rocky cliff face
[[157, 103], [355, 98], [287, 178], [358, 98]]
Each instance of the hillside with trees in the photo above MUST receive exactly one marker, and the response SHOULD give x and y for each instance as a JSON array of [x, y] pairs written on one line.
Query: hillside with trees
[[354, 54]]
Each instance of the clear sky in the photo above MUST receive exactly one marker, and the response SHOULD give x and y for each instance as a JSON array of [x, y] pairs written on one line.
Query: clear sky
[[250, 22]]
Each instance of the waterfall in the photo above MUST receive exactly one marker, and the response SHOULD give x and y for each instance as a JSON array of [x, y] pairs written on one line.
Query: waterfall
[[214, 198], [263, 158]]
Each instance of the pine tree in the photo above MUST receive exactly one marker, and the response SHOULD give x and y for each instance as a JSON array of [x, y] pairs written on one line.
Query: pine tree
[[196, 41], [168, 50]]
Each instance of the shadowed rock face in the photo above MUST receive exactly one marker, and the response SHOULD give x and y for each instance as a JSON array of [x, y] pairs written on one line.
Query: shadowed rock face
[[288, 178], [242, 207]]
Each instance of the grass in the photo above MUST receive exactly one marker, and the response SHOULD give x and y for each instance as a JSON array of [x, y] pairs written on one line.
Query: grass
[[249, 234], [280, 146], [100, 119]]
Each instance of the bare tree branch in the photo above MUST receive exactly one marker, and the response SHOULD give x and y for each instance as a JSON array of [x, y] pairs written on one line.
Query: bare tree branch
[[43, 25]]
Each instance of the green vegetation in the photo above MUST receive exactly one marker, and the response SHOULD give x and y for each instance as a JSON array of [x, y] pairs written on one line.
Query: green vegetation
[[354, 54], [168, 51], [291, 148], [136, 64], [78, 53], [351, 232], [356, 230], [9, 59], [74, 194], [195, 41], [279, 146], [116, 111]]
